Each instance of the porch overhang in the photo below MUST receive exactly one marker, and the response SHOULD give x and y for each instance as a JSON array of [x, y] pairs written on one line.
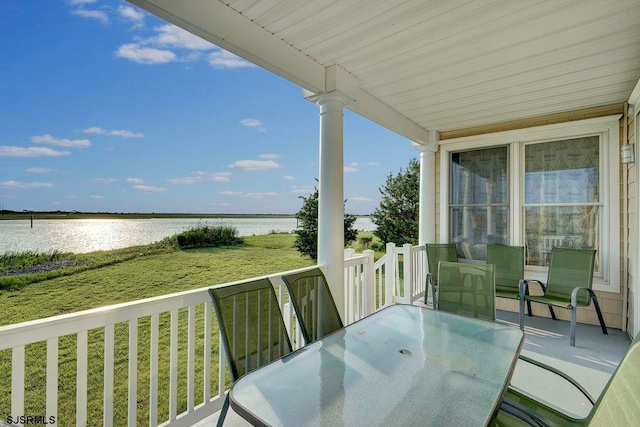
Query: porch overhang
[[414, 66]]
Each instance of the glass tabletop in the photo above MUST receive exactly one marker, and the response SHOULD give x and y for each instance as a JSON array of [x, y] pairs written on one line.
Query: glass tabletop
[[403, 365]]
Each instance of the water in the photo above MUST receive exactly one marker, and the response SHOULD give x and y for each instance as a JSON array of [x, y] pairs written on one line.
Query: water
[[88, 235]]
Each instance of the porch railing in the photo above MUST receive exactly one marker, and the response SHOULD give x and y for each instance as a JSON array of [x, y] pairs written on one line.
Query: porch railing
[[122, 346]]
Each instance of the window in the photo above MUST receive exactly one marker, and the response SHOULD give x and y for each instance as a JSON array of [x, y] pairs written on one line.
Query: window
[[479, 204], [561, 197], [554, 185]]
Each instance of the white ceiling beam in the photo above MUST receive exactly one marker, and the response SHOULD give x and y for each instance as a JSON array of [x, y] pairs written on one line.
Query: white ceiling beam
[[216, 22]]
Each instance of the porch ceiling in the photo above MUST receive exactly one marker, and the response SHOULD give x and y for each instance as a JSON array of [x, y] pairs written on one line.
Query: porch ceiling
[[417, 65]]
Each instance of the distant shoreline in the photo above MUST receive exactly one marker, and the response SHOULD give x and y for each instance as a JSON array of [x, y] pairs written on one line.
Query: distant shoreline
[[5, 215], [107, 215]]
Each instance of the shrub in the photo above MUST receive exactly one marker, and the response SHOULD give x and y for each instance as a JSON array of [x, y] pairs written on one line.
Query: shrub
[[307, 234], [206, 236]]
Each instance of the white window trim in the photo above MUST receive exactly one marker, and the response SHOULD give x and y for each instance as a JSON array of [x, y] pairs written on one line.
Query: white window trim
[[608, 130]]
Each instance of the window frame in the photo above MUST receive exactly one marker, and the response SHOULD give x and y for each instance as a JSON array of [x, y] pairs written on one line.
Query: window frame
[[607, 128]]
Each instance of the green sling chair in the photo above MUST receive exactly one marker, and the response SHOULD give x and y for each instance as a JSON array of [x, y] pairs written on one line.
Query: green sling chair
[[313, 303], [252, 328], [467, 289], [618, 405], [509, 263], [569, 283], [437, 252]]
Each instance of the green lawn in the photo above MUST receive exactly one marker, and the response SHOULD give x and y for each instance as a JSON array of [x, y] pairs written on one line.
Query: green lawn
[[134, 279]]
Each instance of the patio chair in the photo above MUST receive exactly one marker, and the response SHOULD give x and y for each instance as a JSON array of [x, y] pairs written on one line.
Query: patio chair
[[568, 286], [618, 404], [252, 328], [437, 252], [315, 308], [467, 289], [509, 262]]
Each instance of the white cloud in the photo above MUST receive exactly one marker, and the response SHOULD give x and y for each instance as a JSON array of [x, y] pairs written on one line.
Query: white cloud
[[200, 176], [70, 197], [187, 180], [269, 156], [148, 188], [305, 189], [222, 204], [93, 14], [81, 2], [230, 193], [223, 59], [22, 185], [96, 130], [253, 123], [359, 199], [132, 180], [56, 203], [12, 151], [104, 180], [145, 55], [61, 142], [126, 133], [220, 177], [254, 165], [352, 167], [289, 178], [39, 170], [172, 36], [260, 195], [96, 197], [373, 164], [131, 14]]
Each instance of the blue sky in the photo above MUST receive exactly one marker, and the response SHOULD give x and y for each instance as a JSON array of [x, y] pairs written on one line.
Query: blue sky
[[104, 107]]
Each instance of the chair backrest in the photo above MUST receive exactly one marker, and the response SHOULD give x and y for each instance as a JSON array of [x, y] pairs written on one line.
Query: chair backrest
[[437, 252], [467, 289], [619, 403], [253, 331], [509, 262], [569, 269], [313, 303]]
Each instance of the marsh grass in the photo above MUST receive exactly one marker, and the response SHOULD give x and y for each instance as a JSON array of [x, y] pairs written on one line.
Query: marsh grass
[[15, 260], [207, 236]]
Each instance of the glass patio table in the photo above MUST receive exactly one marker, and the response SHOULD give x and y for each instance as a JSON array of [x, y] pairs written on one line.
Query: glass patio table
[[403, 365]]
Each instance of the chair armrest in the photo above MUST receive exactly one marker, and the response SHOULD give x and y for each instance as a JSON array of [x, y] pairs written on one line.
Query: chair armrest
[[574, 295], [560, 374], [523, 288], [542, 285], [522, 413]]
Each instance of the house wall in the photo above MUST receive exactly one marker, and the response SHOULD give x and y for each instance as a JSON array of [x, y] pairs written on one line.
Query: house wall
[[610, 303], [632, 258]]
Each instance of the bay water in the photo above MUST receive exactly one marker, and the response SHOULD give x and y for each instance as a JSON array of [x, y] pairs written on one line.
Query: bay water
[[88, 235]]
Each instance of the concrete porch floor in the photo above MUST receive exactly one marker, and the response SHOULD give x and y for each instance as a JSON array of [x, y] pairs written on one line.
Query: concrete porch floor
[[591, 362]]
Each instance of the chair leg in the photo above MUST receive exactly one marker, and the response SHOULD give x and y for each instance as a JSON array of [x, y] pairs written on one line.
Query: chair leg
[[522, 314], [223, 411], [572, 331], [600, 318], [553, 315]]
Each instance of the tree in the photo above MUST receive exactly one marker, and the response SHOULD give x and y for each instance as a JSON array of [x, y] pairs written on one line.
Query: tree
[[397, 216], [307, 240]]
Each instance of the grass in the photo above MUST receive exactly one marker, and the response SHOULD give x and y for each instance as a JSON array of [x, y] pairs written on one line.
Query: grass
[[132, 277], [13, 260]]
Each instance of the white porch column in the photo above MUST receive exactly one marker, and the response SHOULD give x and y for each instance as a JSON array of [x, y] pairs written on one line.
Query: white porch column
[[331, 194], [427, 215]]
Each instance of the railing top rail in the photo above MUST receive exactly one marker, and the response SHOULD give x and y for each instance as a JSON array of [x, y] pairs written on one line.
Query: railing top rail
[[65, 324], [356, 260]]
